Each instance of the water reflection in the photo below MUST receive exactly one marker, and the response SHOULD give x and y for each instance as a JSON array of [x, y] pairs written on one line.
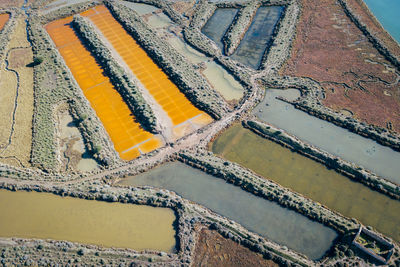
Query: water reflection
[[310, 178], [259, 215], [47, 216], [329, 137]]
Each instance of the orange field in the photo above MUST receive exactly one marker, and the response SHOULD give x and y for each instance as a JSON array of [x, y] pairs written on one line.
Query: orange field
[[3, 20], [129, 139], [174, 103]]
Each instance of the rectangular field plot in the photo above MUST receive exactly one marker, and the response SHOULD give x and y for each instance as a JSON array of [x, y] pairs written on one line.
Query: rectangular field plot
[[130, 140], [218, 24], [167, 95], [258, 37], [3, 20]]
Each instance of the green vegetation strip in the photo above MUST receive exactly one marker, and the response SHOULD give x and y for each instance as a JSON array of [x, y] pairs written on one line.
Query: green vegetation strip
[[183, 74], [118, 77], [53, 85], [202, 12], [235, 174], [350, 170]]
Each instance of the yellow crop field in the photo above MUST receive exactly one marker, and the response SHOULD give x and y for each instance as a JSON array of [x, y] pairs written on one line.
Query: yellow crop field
[[168, 96], [130, 140], [3, 20]]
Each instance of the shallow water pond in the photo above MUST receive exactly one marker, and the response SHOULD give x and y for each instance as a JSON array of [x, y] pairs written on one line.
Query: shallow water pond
[[258, 37], [47, 216], [72, 149], [141, 9], [223, 82], [216, 75], [159, 20], [186, 50], [256, 214], [310, 178], [218, 24], [327, 136]]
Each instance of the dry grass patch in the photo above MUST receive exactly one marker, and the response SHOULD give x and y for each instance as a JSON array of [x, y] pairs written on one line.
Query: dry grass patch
[[184, 8], [212, 249], [16, 110], [8, 83]]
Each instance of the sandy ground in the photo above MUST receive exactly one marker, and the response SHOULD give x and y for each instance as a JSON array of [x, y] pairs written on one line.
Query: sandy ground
[[330, 49], [18, 151], [213, 249]]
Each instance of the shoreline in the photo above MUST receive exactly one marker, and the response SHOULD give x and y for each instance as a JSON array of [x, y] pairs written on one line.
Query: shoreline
[[390, 39]]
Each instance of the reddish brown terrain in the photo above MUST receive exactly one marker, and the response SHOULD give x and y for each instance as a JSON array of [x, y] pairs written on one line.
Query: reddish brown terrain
[[330, 49], [212, 249]]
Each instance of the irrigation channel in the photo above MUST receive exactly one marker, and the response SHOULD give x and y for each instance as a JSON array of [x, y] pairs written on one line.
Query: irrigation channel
[[47, 216], [258, 37], [256, 214], [215, 74], [309, 178], [327, 136]]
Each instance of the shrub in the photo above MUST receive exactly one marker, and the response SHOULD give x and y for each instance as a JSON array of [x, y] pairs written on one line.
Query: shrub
[[96, 149]]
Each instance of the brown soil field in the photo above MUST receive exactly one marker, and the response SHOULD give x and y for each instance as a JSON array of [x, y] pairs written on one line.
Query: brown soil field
[[212, 249], [330, 49], [11, 3], [18, 151]]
